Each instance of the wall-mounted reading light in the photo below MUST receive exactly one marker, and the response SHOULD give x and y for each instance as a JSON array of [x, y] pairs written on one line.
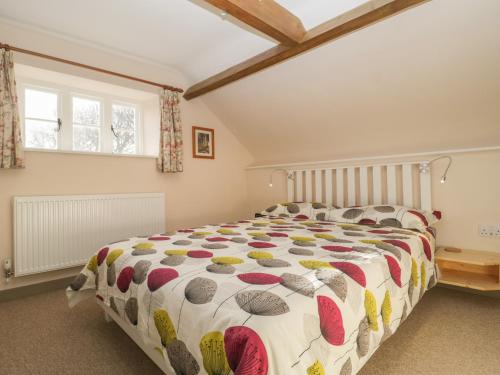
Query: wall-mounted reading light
[[424, 167], [289, 175]]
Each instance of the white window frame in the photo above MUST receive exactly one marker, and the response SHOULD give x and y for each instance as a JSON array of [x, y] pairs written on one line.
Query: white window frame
[[22, 110], [65, 113], [139, 135]]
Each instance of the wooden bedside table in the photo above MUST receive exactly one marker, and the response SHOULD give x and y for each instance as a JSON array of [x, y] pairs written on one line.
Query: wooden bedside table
[[472, 269]]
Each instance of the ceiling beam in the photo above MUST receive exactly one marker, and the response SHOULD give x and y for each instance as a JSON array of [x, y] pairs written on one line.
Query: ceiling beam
[[267, 16], [358, 18]]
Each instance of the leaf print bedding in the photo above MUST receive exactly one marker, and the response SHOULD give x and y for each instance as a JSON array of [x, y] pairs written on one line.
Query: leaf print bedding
[[264, 296]]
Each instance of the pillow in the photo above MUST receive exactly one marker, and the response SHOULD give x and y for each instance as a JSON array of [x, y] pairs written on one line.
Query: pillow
[[298, 210], [391, 216]]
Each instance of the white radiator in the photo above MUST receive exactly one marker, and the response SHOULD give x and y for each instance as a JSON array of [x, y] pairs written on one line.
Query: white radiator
[[55, 232]]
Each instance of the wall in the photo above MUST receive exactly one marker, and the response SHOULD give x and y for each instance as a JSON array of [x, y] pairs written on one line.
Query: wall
[[471, 196], [208, 190]]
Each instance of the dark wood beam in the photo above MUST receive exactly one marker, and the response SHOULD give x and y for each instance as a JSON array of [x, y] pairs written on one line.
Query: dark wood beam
[[267, 16], [358, 18]]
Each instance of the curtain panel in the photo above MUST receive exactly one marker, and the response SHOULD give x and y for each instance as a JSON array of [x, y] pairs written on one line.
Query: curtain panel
[[11, 144], [170, 157]]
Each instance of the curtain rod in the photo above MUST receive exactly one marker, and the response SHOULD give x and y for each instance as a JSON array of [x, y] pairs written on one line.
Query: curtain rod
[[100, 70]]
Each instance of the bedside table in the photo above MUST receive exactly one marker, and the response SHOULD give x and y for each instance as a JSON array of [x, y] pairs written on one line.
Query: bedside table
[[472, 269]]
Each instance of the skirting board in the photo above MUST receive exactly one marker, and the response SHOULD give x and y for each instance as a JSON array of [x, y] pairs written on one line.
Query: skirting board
[[33, 289], [151, 353]]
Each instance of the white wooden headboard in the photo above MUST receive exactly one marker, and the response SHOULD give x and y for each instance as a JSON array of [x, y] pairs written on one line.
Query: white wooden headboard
[[407, 184]]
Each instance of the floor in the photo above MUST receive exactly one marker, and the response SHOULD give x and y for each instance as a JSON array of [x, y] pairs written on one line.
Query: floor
[[449, 333]]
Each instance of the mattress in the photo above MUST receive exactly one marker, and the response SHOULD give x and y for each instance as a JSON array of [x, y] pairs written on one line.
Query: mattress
[[264, 296]]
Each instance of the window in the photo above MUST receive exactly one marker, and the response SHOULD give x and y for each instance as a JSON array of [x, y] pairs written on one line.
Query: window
[[58, 117], [86, 124], [124, 127], [41, 118]]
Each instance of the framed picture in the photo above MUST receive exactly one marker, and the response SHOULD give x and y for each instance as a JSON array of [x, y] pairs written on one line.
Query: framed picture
[[203, 143]]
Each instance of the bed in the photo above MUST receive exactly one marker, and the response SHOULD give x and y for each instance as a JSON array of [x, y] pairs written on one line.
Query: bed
[[294, 292], [309, 288]]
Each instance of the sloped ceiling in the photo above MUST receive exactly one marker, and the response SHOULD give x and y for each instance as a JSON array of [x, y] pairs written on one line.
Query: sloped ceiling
[[424, 80]]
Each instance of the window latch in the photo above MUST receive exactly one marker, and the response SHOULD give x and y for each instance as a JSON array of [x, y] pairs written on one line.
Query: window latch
[[59, 125], [114, 132]]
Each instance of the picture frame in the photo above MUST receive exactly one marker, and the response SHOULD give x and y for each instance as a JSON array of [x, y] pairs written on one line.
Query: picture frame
[[203, 143]]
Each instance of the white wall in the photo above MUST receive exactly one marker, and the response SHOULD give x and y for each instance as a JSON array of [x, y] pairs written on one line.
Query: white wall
[[192, 198]]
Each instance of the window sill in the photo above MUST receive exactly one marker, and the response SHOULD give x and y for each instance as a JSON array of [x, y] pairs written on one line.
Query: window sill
[[105, 154]]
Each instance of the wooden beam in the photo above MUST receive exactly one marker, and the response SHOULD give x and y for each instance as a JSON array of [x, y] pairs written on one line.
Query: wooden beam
[[267, 16], [358, 18]]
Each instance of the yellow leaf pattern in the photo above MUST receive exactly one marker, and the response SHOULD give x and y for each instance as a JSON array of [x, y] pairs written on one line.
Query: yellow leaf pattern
[[414, 272], [214, 354], [112, 256], [165, 327], [92, 265], [316, 369], [386, 309], [371, 310]]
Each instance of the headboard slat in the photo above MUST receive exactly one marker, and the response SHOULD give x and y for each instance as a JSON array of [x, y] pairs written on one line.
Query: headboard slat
[[329, 186], [408, 185], [339, 186], [363, 185], [377, 184], [391, 184]]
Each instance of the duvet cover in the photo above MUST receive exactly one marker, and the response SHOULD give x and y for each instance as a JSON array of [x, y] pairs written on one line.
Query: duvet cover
[[264, 296]]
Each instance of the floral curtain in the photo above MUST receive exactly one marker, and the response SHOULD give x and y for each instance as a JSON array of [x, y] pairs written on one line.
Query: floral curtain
[[11, 144], [170, 157]]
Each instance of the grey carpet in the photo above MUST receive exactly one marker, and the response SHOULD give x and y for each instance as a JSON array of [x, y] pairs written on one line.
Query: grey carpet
[[449, 333]]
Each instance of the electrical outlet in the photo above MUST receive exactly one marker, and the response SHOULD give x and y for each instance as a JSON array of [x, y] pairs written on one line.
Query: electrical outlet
[[484, 230], [496, 231], [489, 230]]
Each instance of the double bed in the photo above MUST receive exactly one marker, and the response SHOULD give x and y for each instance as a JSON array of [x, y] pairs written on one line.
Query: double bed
[[288, 293]]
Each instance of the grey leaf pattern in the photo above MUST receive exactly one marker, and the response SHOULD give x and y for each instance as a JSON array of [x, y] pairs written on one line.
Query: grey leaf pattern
[[173, 260], [364, 250], [239, 240], [299, 251], [132, 310], [79, 281], [273, 263], [411, 288], [200, 290], [352, 213], [182, 242], [259, 302], [334, 280], [384, 209], [304, 243], [111, 275], [112, 304], [391, 223], [387, 333], [339, 240], [363, 339], [181, 360], [141, 271], [298, 283], [352, 233], [346, 368], [221, 268], [389, 248], [214, 246], [143, 252]]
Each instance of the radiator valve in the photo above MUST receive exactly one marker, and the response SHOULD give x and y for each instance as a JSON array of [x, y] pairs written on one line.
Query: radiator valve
[[7, 268]]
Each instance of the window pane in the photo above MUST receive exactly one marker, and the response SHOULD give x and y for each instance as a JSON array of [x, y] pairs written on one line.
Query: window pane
[[85, 138], [41, 134], [40, 104], [124, 125], [86, 111]]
